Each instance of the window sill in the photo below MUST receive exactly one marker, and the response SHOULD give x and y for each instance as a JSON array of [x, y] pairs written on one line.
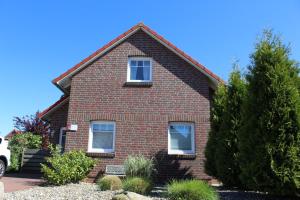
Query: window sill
[[139, 84], [183, 156], [100, 155]]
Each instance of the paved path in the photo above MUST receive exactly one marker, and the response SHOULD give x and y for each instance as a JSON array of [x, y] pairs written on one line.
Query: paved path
[[19, 181]]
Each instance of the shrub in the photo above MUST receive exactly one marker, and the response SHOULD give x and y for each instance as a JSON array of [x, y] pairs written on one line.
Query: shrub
[[191, 190], [139, 166], [15, 161], [109, 183], [69, 167], [17, 143], [35, 125], [55, 150], [26, 140], [138, 185]]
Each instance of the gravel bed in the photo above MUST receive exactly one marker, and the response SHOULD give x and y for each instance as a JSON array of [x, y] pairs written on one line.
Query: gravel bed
[[90, 191], [81, 191], [248, 195]]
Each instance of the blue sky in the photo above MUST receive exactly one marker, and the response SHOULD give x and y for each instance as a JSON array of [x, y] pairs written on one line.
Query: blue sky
[[39, 40]]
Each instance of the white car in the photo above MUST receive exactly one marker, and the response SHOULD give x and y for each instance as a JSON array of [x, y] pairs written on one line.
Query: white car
[[4, 156]]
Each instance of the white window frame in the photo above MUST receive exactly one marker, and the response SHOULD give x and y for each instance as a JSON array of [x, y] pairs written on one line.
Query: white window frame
[[129, 69], [100, 150], [182, 152]]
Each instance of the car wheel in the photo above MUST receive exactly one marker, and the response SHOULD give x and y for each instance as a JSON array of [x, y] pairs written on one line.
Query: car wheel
[[2, 168]]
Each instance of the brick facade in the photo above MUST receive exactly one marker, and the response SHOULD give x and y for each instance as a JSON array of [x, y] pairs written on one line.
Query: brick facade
[[99, 92], [142, 113], [58, 119]]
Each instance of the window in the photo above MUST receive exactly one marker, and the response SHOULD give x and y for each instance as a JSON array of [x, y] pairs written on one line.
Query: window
[[102, 137], [139, 70], [181, 138]]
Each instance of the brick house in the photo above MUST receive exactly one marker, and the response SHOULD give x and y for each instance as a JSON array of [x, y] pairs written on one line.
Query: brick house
[[138, 94]]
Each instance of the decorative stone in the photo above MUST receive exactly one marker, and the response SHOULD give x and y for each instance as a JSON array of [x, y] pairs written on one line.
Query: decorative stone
[[135, 196], [130, 196], [120, 197]]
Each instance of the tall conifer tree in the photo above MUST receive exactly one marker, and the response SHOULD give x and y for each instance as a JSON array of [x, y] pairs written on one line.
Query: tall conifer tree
[[227, 145], [269, 141], [217, 110]]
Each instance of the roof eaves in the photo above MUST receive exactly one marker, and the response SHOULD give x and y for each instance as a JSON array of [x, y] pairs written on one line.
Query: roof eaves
[[96, 53], [183, 54], [53, 107], [119, 39]]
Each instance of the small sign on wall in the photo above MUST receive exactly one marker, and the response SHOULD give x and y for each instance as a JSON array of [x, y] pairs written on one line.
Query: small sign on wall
[[72, 127]]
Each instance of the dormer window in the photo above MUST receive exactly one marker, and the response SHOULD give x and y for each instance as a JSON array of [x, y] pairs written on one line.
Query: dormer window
[[139, 69]]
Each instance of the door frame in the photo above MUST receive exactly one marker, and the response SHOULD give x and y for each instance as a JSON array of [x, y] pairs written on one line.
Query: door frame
[[61, 131]]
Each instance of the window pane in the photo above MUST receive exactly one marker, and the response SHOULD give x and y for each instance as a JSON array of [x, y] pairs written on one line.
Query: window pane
[[140, 73], [133, 63], [106, 127], [103, 140], [133, 71], [146, 73], [181, 137], [147, 63], [140, 63], [103, 127], [96, 127]]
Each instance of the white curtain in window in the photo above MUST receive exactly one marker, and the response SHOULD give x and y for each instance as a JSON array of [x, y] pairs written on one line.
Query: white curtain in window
[[103, 136], [181, 137], [103, 140]]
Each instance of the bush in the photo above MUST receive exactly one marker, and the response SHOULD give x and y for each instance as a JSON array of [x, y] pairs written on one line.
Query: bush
[[25, 140], [139, 166], [191, 190], [15, 161], [19, 142], [69, 167], [138, 185], [35, 125], [109, 183]]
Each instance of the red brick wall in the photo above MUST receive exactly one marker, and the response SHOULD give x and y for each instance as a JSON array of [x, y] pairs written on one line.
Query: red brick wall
[[179, 93], [58, 119]]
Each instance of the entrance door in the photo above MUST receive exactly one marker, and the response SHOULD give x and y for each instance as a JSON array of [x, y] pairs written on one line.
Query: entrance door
[[62, 138]]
